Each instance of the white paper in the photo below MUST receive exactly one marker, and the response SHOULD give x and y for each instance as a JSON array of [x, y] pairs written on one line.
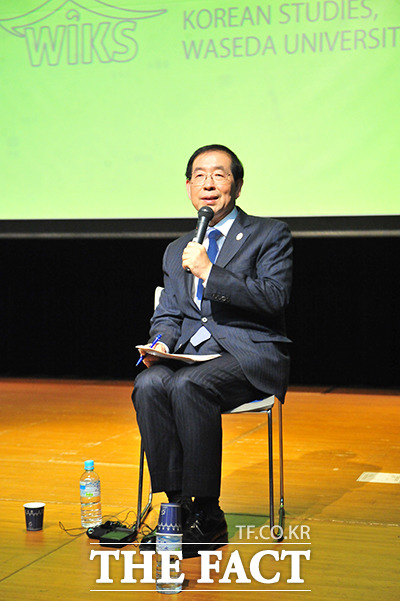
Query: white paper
[[182, 357]]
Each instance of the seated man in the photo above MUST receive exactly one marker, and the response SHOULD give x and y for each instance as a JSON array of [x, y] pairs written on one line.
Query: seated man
[[234, 307]]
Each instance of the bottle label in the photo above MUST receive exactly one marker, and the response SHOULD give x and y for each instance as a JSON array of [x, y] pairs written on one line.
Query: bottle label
[[171, 582], [90, 489], [168, 542]]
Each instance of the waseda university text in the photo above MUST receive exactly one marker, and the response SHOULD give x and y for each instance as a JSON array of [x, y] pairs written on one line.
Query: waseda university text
[[272, 21]]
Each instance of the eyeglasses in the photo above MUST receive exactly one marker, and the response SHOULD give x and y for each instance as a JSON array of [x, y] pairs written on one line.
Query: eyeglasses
[[218, 177]]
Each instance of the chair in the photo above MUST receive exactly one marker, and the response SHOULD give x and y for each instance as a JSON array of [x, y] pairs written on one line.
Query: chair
[[259, 406]]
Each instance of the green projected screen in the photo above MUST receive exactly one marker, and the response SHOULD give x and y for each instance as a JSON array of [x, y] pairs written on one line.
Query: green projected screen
[[102, 103]]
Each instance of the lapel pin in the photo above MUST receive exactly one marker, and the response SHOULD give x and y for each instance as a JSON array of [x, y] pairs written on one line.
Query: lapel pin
[[239, 236]]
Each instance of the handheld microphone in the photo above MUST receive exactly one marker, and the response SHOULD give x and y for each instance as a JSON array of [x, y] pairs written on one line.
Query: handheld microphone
[[204, 217]]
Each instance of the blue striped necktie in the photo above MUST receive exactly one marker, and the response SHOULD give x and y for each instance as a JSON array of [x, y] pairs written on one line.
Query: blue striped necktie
[[212, 252]]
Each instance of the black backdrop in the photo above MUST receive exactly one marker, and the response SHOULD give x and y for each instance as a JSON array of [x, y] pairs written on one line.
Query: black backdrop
[[76, 307]]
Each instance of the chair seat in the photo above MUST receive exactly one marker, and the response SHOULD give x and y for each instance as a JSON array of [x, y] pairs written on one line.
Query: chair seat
[[254, 406]]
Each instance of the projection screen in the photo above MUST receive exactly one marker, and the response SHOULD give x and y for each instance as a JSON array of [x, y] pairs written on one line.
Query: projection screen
[[102, 103]]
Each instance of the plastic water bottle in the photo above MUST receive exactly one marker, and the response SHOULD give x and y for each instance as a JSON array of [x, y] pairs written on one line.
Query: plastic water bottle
[[90, 496], [172, 543]]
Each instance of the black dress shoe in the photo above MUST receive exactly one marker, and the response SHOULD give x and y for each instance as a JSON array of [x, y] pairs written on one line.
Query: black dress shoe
[[204, 532]]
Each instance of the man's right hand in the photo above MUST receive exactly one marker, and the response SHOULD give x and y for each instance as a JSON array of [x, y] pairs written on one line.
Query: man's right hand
[[149, 360]]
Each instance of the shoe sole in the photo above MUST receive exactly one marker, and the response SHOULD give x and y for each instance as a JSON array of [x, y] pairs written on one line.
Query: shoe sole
[[192, 549]]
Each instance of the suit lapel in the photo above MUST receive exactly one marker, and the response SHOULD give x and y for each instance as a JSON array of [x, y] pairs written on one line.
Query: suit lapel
[[235, 239]]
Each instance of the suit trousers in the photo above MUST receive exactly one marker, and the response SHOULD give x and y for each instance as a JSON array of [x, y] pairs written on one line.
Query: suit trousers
[[178, 408]]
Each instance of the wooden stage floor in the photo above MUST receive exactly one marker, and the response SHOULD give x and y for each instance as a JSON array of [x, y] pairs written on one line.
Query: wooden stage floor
[[331, 439]]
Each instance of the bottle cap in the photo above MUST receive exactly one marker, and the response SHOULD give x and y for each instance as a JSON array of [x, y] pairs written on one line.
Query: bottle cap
[[89, 465]]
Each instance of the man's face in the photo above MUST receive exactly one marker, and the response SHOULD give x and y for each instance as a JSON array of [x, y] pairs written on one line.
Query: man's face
[[212, 184]]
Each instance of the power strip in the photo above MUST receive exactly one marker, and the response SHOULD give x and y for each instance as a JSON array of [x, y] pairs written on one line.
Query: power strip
[[113, 534], [118, 538]]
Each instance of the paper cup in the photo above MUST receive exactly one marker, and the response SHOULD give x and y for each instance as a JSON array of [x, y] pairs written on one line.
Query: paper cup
[[169, 520], [34, 516]]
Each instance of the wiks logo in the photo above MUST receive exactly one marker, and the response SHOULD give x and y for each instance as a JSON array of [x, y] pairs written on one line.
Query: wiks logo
[[83, 32]]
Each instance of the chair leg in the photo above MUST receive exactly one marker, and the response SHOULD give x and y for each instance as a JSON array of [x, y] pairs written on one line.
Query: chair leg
[[276, 529], [282, 502], [270, 472], [140, 515]]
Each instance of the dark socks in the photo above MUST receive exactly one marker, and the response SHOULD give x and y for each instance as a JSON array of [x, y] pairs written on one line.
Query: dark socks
[[174, 496], [210, 505]]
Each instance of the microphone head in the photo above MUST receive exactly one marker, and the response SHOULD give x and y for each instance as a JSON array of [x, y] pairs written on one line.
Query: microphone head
[[206, 212], [204, 217]]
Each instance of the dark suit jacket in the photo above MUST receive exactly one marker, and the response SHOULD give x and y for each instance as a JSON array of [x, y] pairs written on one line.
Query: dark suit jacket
[[243, 303]]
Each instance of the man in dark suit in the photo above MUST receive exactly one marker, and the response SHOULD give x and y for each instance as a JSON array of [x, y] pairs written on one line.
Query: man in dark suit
[[234, 307]]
